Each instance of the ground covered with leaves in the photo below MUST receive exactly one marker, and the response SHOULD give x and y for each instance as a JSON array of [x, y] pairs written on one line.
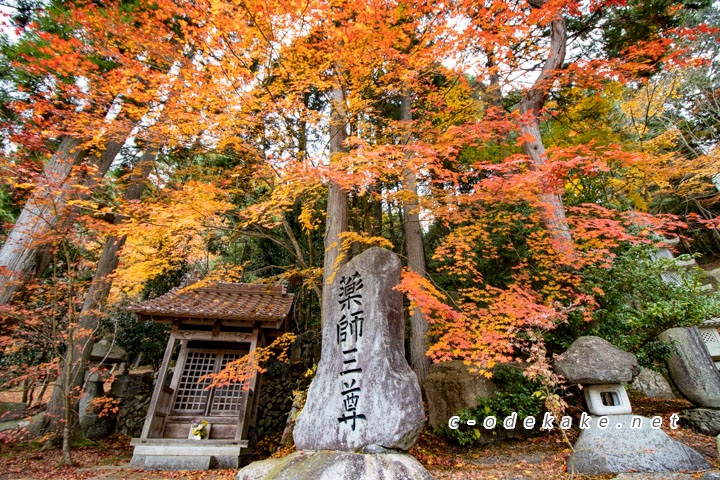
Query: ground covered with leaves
[[107, 460], [540, 457], [543, 456]]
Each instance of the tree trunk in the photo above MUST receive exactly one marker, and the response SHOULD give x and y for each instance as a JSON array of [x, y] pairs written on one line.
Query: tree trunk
[[67, 400], [97, 294], [552, 204], [43, 387], [336, 217], [299, 258], [46, 208], [31, 395], [416, 259], [287, 435], [25, 391], [16, 254]]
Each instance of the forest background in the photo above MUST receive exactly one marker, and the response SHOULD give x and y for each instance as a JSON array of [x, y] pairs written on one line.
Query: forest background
[[523, 158]]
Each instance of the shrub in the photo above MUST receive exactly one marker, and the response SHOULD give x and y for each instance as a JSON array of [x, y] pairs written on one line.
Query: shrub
[[518, 395], [637, 304]]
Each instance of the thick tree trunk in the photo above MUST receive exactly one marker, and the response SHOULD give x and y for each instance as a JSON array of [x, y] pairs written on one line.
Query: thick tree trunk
[[96, 296], [46, 208], [17, 253], [336, 217], [416, 260], [552, 204]]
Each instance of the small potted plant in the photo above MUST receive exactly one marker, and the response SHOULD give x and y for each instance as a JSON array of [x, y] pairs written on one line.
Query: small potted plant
[[200, 431]]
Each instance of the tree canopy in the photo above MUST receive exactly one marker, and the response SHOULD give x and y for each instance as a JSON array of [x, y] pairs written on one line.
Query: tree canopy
[[537, 142]]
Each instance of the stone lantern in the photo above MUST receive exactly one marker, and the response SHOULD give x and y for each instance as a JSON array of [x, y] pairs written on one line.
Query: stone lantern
[[601, 368], [613, 440]]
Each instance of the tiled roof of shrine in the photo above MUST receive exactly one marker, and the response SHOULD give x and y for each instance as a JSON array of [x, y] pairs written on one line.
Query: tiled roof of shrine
[[223, 301]]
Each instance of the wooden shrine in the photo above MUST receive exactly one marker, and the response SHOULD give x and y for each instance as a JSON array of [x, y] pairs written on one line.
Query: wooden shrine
[[212, 325]]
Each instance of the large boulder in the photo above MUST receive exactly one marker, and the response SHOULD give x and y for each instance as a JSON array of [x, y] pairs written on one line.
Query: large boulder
[[336, 465], [702, 420], [107, 351], [652, 384], [92, 425], [691, 368], [592, 360], [450, 387], [618, 448], [131, 384], [364, 392]]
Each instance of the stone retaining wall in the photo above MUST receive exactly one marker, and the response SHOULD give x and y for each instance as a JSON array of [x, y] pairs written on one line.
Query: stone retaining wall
[[279, 381], [275, 400], [131, 415]]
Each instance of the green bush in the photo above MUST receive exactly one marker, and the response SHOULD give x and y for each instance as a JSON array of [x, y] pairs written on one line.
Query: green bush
[[637, 304], [147, 338], [518, 395]]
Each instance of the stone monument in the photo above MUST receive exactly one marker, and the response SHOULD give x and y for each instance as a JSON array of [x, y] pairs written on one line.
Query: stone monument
[[364, 406], [691, 368]]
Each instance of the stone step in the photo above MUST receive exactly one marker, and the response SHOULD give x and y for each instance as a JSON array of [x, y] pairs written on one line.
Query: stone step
[[187, 450], [707, 475], [183, 442], [182, 454]]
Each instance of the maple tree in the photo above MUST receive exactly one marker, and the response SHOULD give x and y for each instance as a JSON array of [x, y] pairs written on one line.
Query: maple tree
[[493, 138], [73, 172]]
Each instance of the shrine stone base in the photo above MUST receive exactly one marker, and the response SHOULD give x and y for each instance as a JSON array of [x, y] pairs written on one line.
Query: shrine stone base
[[187, 462], [336, 465], [177, 454]]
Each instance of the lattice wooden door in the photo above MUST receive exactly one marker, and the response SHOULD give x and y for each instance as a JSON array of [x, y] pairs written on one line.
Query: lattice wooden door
[[192, 398], [226, 400]]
